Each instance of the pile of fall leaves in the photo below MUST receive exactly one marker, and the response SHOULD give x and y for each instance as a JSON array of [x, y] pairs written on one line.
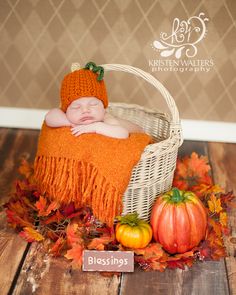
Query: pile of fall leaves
[[67, 231]]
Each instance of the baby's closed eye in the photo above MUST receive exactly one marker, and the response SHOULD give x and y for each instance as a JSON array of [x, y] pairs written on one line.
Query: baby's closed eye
[[76, 106], [93, 104]]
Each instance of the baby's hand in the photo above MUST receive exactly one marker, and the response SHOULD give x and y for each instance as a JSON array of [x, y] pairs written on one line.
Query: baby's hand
[[82, 129]]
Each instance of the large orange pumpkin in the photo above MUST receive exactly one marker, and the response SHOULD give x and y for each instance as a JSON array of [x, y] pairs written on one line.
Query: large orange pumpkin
[[179, 221]]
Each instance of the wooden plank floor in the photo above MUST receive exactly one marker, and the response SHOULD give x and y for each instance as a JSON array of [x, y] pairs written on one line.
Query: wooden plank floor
[[26, 269]]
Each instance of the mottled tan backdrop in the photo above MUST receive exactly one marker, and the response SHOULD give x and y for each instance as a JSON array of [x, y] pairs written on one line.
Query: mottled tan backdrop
[[40, 39]]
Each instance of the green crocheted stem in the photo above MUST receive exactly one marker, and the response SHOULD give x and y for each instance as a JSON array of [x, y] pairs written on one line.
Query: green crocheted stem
[[96, 69]]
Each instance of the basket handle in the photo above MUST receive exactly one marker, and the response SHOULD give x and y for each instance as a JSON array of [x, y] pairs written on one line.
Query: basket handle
[[149, 78]]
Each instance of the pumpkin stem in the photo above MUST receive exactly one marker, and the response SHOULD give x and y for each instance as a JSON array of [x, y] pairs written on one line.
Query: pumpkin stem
[[176, 197], [131, 219]]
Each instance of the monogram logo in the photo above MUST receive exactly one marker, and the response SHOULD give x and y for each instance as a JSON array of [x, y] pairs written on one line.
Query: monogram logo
[[184, 37]]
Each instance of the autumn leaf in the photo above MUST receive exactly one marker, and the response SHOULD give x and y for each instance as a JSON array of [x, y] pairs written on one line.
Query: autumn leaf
[[157, 265], [227, 199], [205, 189], [99, 243], [76, 254], [181, 260], [67, 210], [57, 248], [223, 218], [26, 169], [43, 208], [191, 172], [17, 221], [31, 235], [17, 207], [214, 204], [204, 252], [41, 205], [50, 234], [57, 217], [216, 227], [152, 250], [74, 234]]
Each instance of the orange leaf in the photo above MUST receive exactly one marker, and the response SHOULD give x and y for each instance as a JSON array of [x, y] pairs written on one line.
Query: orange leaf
[[152, 250], [158, 265], [214, 204], [31, 235], [216, 227], [44, 209], [76, 254], [57, 247], [191, 172], [99, 243], [74, 235], [198, 164], [57, 217], [41, 205], [181, 255]]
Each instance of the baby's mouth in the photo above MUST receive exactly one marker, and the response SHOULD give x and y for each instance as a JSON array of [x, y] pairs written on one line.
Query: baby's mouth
[[86, 118]]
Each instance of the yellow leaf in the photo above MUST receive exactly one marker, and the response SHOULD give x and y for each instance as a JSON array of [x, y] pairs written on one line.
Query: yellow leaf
[[214, 204], [31, 235], [223, 218], [210, 189]]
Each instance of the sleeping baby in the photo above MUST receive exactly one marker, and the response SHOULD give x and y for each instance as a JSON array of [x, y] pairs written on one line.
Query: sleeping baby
[[83, 108], [73, 166]]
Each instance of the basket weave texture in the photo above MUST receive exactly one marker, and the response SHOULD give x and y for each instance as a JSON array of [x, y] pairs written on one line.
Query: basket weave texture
[[153, 175]]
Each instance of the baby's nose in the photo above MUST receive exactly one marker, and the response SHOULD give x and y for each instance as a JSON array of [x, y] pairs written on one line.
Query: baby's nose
[[85, 108]]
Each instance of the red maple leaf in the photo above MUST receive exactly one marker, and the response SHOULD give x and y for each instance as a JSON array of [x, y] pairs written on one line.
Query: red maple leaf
[[227, 200], [16, 221], [181, 260]]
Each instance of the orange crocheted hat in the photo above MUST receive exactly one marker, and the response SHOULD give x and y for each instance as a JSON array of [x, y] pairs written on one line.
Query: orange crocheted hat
[[84, 82]]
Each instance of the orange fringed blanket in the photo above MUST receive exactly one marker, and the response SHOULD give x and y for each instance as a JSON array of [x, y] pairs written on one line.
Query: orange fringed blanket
[[92, 169]]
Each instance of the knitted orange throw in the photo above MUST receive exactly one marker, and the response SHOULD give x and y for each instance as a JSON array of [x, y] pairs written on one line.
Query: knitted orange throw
[[92, 169]]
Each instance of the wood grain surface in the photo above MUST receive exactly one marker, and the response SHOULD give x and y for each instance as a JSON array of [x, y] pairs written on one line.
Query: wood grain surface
[[203, 278], [42, 274], [14, 144], [29, 270], [223, 161]]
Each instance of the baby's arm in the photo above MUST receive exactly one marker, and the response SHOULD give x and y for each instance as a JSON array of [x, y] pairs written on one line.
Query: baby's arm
[[56, 118], [102, 128], [131, 127]]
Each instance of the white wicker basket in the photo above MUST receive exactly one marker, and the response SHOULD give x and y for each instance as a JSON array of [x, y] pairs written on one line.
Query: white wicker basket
[[154, 173]]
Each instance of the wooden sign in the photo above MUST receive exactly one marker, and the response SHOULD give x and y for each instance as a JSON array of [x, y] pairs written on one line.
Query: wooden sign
[[117, 261]]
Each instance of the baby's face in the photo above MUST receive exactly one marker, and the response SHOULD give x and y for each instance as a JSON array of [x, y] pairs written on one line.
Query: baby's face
[[85, 110]]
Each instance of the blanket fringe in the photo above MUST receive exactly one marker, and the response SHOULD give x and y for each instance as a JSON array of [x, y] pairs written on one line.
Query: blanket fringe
[[69, 180]]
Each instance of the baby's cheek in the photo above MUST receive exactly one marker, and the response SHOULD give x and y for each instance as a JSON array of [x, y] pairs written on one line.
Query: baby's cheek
[[100, 113], [74, 116]]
